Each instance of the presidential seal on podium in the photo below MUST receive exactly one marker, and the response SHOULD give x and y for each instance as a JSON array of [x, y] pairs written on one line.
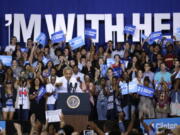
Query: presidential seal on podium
[[73, 102]]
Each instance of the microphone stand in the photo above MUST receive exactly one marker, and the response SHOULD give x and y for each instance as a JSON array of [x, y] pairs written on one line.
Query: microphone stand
[[74, 88]]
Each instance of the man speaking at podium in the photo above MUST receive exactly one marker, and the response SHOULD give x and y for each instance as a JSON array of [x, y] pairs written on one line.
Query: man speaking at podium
[[67, 83]]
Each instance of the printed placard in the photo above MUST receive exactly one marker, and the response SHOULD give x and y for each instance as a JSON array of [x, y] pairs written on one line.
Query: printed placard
[[129, 29], [76, 42], [145, 91], [128, 88], [155, 36], [6, 60], [53, 115], [45, 60], [41, 39], [58, 37], [90, 33], [41, 93], [168, 123], [2, 125]]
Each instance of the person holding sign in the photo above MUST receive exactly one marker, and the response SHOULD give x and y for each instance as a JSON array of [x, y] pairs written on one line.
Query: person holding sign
[[117, 66], [146, 106], [37, 99]]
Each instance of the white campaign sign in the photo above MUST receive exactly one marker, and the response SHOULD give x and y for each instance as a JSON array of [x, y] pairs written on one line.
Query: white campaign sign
[[53, 115]]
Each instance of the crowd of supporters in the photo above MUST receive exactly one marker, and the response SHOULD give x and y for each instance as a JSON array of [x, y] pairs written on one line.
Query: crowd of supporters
[[35, 67]]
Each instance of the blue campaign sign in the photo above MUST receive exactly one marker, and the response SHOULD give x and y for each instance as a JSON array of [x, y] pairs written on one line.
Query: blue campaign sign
[[168, 40], [143, 36], [128, 88], [45, 60], [2, 125], [110, 61], [58, 37], [155, 36], [132, 87], [6, 60], [76, 43], [41, 39], [90, 33], [145, 91], [124, 88], [169, 123], [129, 29], [41, 93]]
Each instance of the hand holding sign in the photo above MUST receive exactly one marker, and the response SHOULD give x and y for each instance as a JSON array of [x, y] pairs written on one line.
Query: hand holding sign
[[155, 36], [41, 39]]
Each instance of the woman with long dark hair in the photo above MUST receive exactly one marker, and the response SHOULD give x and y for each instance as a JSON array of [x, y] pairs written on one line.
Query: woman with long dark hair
[[37, 99]]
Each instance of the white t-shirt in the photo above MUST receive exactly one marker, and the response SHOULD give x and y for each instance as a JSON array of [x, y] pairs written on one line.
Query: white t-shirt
[[22, 98], [49, 89], [10, 48], [63, 88]]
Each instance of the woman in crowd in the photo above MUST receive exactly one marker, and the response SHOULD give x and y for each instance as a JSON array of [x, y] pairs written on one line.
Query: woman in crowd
[[9, 76], [162, 108], [89, 69], [8, 101], [117, 66], [93, 100], [102, 99], [148, 72], [113, 105], [146, 105], [22, 103], [133, 66], [16, 69], [175, 99], [37, 99]]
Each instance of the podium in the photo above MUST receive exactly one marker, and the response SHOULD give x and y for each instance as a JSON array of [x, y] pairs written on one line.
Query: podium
[[75, 107]]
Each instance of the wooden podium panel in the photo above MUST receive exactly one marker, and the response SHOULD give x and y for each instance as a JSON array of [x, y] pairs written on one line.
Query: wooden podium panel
[[79, 122]]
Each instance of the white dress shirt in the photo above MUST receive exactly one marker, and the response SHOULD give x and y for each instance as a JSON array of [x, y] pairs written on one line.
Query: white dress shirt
[[63, 88], [80, 75]]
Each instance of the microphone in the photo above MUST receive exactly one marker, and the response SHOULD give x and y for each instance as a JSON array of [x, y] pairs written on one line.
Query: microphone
[[70, 85], [75, 85]]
